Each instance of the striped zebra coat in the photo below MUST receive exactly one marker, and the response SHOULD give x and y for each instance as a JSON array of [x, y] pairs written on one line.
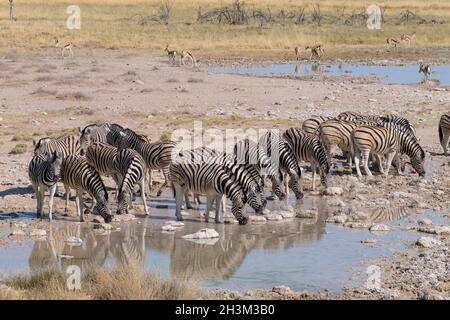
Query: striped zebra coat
[[251, 153], [246, 175], [385, 141], [105, 133], [310, 125], [276, 146], [309, 148], [125, 166], [64, 145], [44, 172], [79, 175], [212, 179], [444, 131]]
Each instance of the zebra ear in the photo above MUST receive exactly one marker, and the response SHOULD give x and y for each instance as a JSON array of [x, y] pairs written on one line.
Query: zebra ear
[[34, 142]]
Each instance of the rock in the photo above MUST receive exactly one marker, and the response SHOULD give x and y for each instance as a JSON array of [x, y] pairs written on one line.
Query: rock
[[306, 214], [202, 234], [356, 225], [265, 211], [428, 242], [124, 217], [209, 242], [444, 230], [274, 217], [175, 224], [74, 241], [379, 227], [184, 213], [424, 222], [334, 191], [256, 219], [286, 214], [20, 225], [336, 203], [18, 233], [168, 228], [37, 233], [286, 207], [282, 290], [369, 241], [98, 219], [341, 218]]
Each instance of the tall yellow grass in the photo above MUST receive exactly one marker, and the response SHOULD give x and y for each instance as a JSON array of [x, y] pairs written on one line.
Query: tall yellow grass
[[106, 24]]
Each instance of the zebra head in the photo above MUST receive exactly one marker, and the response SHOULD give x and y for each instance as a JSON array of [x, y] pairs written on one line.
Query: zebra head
[[124, 200], [417, 161], [255, 198], [55, 161], [40, 146], [237, 209], [103, 210], [295, 183], [277, 189]]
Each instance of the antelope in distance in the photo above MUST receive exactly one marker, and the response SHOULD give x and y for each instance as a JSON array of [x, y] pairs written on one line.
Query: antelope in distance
[[187, 54], [426, 70], [64, 46], [407, 38], [317, 51], [297, 53], [392, 42], [172, 54]]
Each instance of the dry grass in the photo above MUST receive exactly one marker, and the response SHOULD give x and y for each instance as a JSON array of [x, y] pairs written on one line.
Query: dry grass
[[116, 24], [122, 283], [19, 149]]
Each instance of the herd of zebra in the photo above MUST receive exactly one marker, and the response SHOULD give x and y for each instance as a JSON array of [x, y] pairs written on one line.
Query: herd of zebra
[[127, 157]]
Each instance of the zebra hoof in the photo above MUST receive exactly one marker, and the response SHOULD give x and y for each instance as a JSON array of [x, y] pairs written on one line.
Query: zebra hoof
[[180, 218], [108, 218]]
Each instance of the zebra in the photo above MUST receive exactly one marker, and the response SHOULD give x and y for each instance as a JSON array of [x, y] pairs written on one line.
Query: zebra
[[131, 166], [106, 133], [444, 131], [65, 145], [157, 155], [79, 175], [212, 179], [286, 158], [309, 148], [44, 172], [249, 152], [400, 122], [246, 175], [125, 166], [385, 141], [310, 125]]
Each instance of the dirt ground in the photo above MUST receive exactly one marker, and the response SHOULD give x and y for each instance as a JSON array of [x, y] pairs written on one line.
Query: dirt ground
[[47, 96]]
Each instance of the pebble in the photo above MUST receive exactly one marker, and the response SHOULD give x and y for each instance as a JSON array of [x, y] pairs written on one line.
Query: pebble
[[18, 233], [274, 217], [306, 214], [282, 290], [379, 227], [369, 241], [334, 191], [286, 214], [342, 218], [176, 224], [436, 230], [256, 219], [202, 234], [75, 241], [168, 228], [428, 242], [424, 222], [37, 233]]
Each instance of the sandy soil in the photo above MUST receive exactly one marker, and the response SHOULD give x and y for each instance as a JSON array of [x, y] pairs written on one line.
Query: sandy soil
[[43, 96]]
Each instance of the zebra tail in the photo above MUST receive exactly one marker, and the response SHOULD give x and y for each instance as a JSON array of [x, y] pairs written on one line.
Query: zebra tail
[[441, 134]]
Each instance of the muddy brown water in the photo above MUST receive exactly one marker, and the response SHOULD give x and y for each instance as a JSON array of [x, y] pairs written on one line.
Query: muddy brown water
[[305, 254]]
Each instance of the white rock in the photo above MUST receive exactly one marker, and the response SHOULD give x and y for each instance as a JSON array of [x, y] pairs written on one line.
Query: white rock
[[266, 211], [274, 217], [286, 214], [202, 234], [334, 191], [306, 214], [428, 242], [74, 241], [356, 225], [282, 290], [257, 219], [424, 222], [379, 227], [38, 233], [18, 233], [436, 230], [342, 218], [184, 213], [286, 207], [168, 228], [209, 242], [175, 224]]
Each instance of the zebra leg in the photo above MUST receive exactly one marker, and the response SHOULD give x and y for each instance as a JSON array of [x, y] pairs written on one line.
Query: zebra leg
[[142, 191], [40, 202], [79, 203], [365, 161], [313, 167], [218, 207], [444, 142], [50, 201], [197, 200], [149, 180], [188, 202], [356, 159], [209, 202], [389, 158], [224, 205], [166, 181], [379, 160], [67, 197], [286, 185], [179, 193]]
